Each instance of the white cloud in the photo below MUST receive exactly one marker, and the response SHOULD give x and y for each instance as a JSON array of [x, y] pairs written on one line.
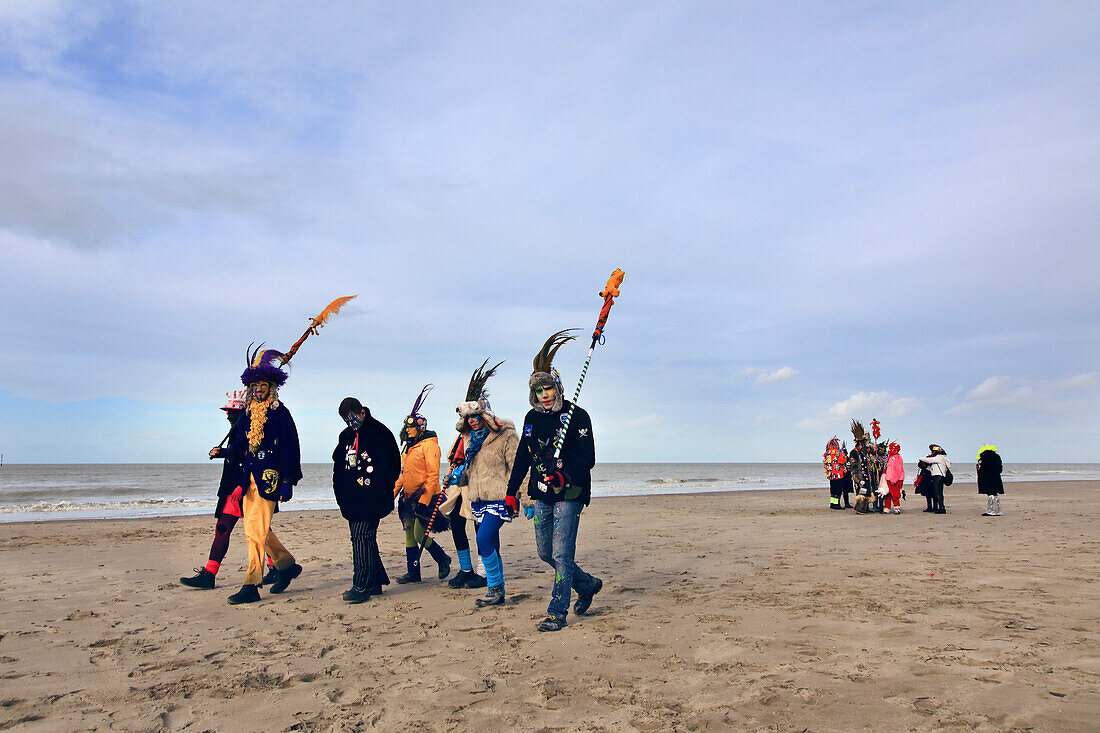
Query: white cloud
[[763, 376], [1057, 395], [644, 422], [874, 404]]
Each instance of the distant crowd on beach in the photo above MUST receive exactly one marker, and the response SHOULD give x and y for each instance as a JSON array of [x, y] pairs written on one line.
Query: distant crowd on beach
[[873, 470]]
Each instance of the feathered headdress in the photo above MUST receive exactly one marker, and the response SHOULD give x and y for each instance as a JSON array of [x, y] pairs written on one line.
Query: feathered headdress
[[261, 366], [858, 432], [476, 389], [420, 399], [543, 361], [477, 398], [414, 419], [545, 375]]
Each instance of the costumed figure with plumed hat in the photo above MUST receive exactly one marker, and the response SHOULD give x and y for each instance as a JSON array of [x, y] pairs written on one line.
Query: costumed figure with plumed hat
[[418, 493], [228, 509], [861, 467], [266, 446], [560, 485], [477, 484]]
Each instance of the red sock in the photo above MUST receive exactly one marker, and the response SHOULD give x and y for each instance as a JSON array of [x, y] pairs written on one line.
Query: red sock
[[212, 566]]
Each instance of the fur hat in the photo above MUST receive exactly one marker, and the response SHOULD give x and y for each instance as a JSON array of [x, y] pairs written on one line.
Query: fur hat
[[545, 375], [477, 400], [262, 368]]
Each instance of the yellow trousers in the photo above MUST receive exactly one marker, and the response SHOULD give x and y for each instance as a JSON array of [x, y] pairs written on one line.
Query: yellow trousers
[[257, 531]]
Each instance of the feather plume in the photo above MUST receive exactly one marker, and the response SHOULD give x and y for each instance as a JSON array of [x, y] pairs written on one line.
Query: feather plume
[[477, 381], [545, 357], [421, 398], [330, 310], [857, 431]]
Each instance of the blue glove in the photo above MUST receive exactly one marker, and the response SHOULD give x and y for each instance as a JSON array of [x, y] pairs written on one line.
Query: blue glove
[[529, 512], [286, 491]]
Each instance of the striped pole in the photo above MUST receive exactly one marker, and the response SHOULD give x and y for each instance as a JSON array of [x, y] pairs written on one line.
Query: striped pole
[[609, 293]]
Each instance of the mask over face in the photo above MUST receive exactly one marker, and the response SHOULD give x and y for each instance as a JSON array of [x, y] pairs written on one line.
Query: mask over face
[[354, 420]]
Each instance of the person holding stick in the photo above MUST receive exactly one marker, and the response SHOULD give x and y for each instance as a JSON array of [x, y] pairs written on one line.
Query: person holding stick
[[418, 493], [558, 449], [266, 446], [477, 485]]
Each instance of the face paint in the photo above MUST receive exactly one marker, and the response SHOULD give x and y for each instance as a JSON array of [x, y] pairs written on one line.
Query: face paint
[[354, 420]]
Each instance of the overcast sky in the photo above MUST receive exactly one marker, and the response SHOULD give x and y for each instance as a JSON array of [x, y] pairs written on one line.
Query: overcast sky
[[824, 210]]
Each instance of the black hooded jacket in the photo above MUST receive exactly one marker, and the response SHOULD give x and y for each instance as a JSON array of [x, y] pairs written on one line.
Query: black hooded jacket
[[364, 472]]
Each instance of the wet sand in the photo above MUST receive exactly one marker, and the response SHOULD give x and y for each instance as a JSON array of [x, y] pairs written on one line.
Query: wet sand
[[736, 611]]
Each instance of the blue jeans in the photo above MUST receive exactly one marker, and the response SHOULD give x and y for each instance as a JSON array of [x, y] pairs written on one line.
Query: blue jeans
[[556, 539]]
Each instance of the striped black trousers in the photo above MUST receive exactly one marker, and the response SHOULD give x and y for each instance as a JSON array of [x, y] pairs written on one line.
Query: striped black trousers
[[369, 572]]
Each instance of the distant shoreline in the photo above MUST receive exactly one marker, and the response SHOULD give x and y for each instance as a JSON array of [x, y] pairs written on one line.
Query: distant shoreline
[[291, 508]]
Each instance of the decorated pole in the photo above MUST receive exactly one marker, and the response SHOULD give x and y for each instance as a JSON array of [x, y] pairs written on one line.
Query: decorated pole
[[609, 293], [315, 325]]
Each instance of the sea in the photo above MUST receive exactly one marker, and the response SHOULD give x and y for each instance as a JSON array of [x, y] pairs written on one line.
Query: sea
[[42, 492]]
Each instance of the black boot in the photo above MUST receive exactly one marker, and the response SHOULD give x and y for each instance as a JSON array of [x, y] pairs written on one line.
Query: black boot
[[442, 558], [412, 562], [271, 577], [354, 595], [285, 576], [204, 579], [247, 594], [584, 600], [476, 581], [494, 596], [460, 579]]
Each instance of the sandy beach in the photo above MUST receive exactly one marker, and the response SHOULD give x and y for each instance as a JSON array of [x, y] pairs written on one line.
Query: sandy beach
[[736, 611]]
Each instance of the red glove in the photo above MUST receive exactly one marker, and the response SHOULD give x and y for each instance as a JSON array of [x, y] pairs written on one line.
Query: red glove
[[555, 479], [512, 504], [233, 503]]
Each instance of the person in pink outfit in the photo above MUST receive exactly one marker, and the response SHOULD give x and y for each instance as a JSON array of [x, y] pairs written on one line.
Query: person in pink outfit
[[895, 477]]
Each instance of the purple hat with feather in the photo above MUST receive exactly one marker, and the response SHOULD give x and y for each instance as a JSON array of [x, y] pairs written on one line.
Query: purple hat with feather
[[262, 366]]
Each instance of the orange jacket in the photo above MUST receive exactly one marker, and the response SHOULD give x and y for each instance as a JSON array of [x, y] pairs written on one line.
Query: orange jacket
[[420, 470]]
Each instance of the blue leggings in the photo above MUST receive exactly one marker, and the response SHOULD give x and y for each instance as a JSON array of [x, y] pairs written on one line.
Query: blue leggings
[[488, 535]]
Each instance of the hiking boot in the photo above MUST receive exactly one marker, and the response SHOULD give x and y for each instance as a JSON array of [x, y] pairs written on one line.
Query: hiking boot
[[476, 581], [271, 577], [493, 597], [461, 578], [413, 576], [584, 600], [203, 579], [285, 576], [354, 595], [247, 594], [551, 624]]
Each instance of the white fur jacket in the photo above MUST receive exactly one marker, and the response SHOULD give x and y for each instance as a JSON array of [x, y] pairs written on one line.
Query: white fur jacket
[[488, 474]]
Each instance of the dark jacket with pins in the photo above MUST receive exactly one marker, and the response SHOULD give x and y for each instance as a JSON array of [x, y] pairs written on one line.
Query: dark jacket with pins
[[365, 465], [277, 459], [536, 454], [989, 473]]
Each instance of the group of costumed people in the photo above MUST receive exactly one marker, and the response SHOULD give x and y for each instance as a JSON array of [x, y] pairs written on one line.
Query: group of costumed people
[[874, 471], [488, 465]]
